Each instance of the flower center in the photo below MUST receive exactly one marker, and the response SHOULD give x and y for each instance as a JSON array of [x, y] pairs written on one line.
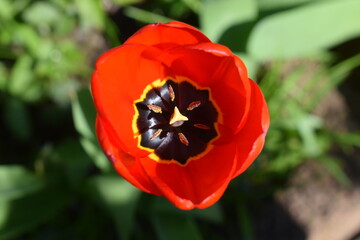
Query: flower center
[[175, 121]]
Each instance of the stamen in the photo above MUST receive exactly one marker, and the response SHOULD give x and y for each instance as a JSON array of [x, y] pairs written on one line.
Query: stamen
[[154, 108], [183, 139], [156, 134], [201, 126], [171, 93], [177, 119], [193, 105]]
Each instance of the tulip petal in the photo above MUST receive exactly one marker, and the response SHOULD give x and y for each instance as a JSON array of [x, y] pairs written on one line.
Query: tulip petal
[[250, 140], [120, 78], [128, 166], [198, 184], [175, 33], [178, 52]]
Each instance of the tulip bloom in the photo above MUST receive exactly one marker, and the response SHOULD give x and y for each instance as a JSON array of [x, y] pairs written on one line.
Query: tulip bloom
[[177, 114]]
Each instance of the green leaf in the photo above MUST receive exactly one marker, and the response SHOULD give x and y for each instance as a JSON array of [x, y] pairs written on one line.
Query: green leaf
[[17, 119], [68, 57], [245, 222], [19, 5], [175, 227], [250, 64], [97, 155], [218, 16], [336, 75], [42, 14], [280, 4], [212, 214], [21, 75], [120, 198], [27, 213], [306, 29], [26, 35], [61, 91], [77, 164], [3, 76], [16, 182], [194, 5], [21, 80], [84, 114], [307, 126], [6, 10], [348, 139], [145, 16], [166, 219], [333, 165], [270, 83], [236, 37], [285, 161], [126, 2], [91, 13]]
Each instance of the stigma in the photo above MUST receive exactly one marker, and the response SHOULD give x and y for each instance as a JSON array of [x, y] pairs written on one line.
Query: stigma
[[177, 119]]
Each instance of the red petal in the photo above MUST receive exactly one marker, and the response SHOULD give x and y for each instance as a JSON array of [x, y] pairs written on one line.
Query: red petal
[[176, 33], [120, 78], [125, 164], [214, 66], [250, 140], [198, 184]]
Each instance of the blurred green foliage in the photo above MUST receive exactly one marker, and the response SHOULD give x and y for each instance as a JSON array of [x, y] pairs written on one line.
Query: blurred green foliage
[[55, 182]]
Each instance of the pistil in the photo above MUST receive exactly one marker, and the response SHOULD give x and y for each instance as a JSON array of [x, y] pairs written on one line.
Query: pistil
[[177, 119]]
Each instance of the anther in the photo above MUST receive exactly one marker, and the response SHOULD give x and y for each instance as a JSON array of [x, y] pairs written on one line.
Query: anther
[[201, 126], [193, 105], [171, 93], [156, 134], [154, 108], [183, 139]]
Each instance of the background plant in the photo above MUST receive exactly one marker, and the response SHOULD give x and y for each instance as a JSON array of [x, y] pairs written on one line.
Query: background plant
[[54, 180]]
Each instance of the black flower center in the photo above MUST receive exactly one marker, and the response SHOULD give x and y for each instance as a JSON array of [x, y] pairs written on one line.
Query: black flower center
[[175, 121]]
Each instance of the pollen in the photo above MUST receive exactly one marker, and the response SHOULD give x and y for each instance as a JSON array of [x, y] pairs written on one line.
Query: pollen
[[193, 105], [156, 134], [183, 139], [201, 126], [154, 108], [171, 93]]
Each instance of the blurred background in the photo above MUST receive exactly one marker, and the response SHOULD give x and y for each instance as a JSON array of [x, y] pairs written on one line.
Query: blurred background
[[55, 182]]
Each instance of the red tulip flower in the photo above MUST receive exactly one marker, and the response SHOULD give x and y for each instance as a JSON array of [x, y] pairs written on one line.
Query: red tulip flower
[[177, 114]]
